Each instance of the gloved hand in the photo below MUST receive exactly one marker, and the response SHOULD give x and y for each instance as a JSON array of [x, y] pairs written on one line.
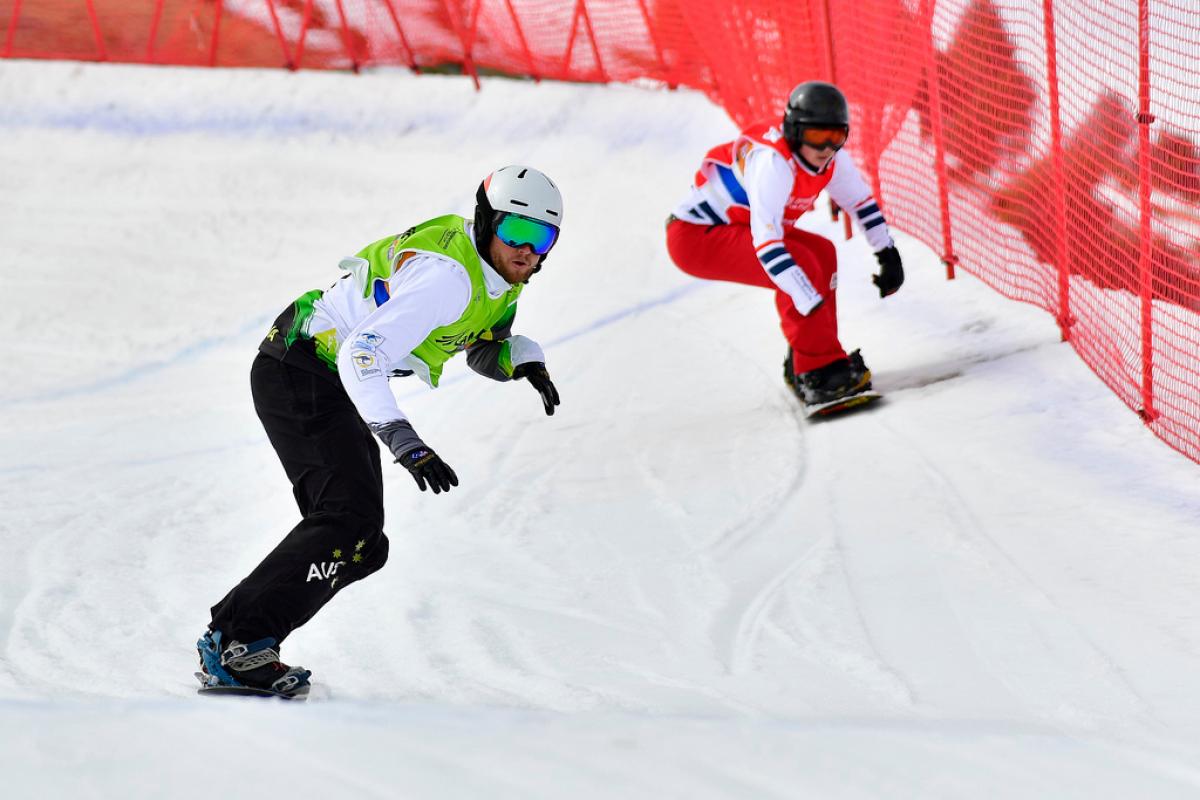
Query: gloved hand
[[415, 456], [427, 467], [539, 378], [891, 271]]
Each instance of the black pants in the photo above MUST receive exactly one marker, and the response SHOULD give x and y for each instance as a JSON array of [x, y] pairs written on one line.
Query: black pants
[[332, 460]]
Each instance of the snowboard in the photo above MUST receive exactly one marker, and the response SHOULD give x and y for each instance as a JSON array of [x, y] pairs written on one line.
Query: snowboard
[[250, 691], [842, 405]]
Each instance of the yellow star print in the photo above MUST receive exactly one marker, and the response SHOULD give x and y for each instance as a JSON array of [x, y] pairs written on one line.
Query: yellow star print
[[337, 553], [357, 558], [361, 544]]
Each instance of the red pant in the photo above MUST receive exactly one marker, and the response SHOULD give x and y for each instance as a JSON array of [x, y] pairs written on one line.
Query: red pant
[[726, 253]]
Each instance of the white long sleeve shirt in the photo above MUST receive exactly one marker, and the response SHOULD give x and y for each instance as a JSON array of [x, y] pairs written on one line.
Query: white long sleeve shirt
[[375, 342], [769, 192]]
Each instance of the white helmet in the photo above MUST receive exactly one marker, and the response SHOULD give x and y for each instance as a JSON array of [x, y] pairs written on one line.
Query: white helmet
[[523, 191]]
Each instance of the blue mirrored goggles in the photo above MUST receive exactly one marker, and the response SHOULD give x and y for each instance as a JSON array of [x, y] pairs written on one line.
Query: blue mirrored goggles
[[515, 231]]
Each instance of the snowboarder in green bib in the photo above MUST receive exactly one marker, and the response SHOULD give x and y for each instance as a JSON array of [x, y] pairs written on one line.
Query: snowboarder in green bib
[[405, 306]]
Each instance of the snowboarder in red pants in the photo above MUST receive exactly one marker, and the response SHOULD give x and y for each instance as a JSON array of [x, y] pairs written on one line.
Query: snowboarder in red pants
[[738, 224]]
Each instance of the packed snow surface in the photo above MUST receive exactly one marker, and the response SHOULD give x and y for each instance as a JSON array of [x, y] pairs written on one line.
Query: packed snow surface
[[987, 585]]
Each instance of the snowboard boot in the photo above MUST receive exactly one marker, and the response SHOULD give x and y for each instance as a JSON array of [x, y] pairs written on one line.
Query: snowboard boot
[[256, 665], [834, 381]]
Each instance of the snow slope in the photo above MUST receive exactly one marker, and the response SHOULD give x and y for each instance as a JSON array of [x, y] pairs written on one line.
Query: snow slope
[[675, 587]]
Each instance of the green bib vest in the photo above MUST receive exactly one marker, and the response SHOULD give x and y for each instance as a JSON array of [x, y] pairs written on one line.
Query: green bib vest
[[444, 236]]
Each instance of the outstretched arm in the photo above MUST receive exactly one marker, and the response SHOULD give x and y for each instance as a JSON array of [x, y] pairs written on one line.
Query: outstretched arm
[[490, 355], [768, 184], [850, 191], [502, 356], [431, 292]]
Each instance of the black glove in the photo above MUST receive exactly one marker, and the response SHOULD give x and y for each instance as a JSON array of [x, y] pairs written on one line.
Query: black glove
[[426, 466], [891, 271], [536, 372], [416, 457]]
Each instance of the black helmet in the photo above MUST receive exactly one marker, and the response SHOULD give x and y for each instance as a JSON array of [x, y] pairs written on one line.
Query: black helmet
[[814, 104]]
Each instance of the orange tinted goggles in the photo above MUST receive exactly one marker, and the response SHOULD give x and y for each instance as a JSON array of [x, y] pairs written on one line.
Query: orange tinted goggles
[[825, 138]]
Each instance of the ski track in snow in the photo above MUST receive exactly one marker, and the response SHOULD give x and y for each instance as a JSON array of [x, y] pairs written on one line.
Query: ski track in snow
[[1044, 612]]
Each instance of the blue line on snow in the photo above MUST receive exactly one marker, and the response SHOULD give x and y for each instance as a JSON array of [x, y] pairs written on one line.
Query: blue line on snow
[[194, 349], [132, 121], [202, 346], [590, 328], [617, 316]]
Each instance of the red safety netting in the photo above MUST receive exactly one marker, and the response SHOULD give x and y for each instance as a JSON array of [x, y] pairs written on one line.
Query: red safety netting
[[1047, 146]]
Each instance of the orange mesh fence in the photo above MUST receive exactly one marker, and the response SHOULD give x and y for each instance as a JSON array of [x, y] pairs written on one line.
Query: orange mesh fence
[[1048, 147]]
